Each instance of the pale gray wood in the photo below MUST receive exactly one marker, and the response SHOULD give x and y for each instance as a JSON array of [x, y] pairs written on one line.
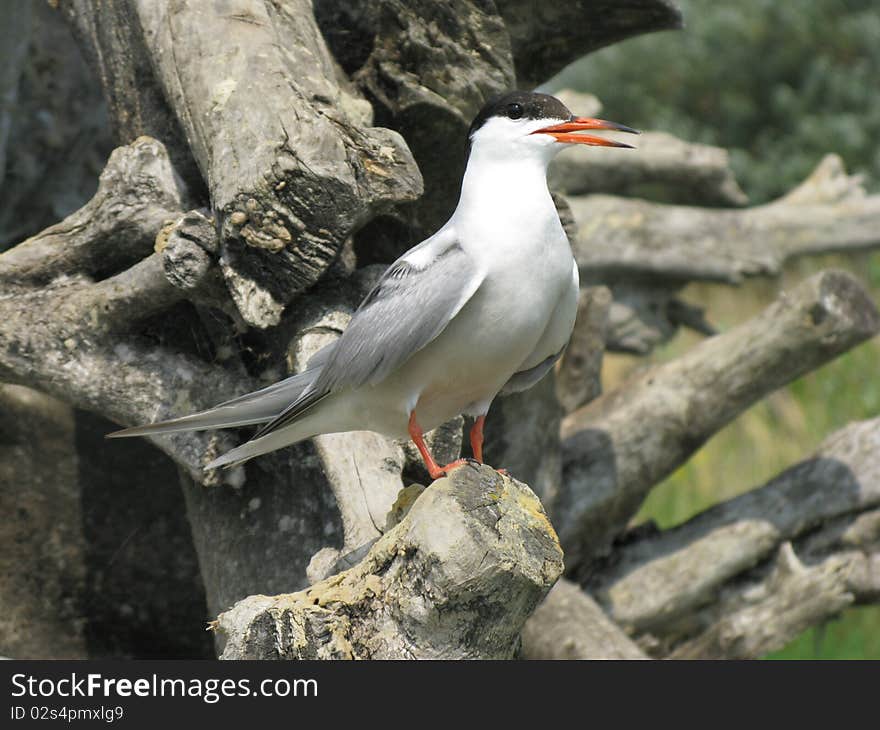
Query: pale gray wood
[[569, 624], [291, 167], [617, 447], [665, 168], [578, 380], [455, 579], [623, 239], [656, 580], [138, 192]]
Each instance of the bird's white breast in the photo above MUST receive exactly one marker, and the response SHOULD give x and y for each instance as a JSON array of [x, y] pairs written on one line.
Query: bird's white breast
[[509, 227]]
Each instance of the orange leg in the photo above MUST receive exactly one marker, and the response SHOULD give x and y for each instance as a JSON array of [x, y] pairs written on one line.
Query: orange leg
[[436, 471], [477, 438], [477, 442]]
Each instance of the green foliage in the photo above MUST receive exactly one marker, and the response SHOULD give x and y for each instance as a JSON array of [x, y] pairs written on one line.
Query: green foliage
[[778, 83]]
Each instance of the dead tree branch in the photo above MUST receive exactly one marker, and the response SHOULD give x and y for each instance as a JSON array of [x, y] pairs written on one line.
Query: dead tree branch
[[666, 168], [656, 581], [546, 39], [568, 624], [138, 193], [456, 579], [620, 238], [619, 446]]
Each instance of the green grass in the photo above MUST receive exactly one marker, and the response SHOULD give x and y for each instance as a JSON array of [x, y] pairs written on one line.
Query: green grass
[[775, 433]]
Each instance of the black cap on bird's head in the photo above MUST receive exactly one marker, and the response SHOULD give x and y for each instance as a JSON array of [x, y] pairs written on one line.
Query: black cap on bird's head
[[542, 114]]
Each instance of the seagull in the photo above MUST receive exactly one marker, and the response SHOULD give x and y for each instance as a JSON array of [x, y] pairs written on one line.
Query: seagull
[[483, 307]]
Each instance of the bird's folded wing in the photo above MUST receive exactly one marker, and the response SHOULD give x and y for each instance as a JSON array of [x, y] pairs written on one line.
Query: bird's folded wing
[[525, 379], [410, 305]]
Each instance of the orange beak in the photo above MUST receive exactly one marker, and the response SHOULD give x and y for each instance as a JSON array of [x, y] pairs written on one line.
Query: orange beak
[[564, 132]]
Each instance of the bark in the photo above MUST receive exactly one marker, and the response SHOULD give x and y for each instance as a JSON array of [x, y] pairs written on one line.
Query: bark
[[427, 68], [42, 563], [665, 168], [83, 341], [646, 252], [548, 37], [633, 239], [700, 585], [619, 446], [455, 579], [769, 615], [568, 624], [138, 192], [111, 40], [57, 123], [291, 163]]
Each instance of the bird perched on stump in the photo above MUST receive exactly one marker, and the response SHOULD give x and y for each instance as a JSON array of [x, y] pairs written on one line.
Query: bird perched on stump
[[484, 306]]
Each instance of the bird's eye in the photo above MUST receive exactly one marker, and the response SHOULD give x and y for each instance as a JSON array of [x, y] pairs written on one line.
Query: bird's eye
[[514, 111]]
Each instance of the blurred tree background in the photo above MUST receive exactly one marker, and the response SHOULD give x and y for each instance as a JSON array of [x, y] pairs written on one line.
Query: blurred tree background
[[779, 85]]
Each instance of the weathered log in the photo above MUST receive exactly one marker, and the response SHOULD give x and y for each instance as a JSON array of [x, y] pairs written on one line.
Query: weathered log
[[568, 624], [291, 163], [137, 194], [666, 169], [548, 37], [578, 379], [655, 581], [646, 252], [42, 550], [428, 68], [112, 41], [619, 446], [763, 617], [633, 239], [457, 578]]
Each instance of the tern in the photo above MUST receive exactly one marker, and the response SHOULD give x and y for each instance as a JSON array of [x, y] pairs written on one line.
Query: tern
[[483, 307]]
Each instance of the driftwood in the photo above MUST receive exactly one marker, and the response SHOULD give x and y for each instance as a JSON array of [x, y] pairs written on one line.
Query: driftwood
[[645, 252], [656, 584], [455, 579], [43, 557], [137, 195], [828, 212], [546, 39], [666, 168], [616, 448], [570, 625], [223, 256]]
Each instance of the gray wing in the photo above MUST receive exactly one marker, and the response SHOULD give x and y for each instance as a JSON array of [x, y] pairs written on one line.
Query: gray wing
[[410, 305], [525, 379], [258, 407]]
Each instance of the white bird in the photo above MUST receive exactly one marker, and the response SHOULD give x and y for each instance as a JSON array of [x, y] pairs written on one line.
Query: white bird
[[484, 306]]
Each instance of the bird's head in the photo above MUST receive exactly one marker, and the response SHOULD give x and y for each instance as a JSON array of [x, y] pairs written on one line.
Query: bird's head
[[528, 124]]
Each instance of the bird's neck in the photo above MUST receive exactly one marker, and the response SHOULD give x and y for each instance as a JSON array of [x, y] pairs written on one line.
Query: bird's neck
[[509, 192], [499, 188]]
